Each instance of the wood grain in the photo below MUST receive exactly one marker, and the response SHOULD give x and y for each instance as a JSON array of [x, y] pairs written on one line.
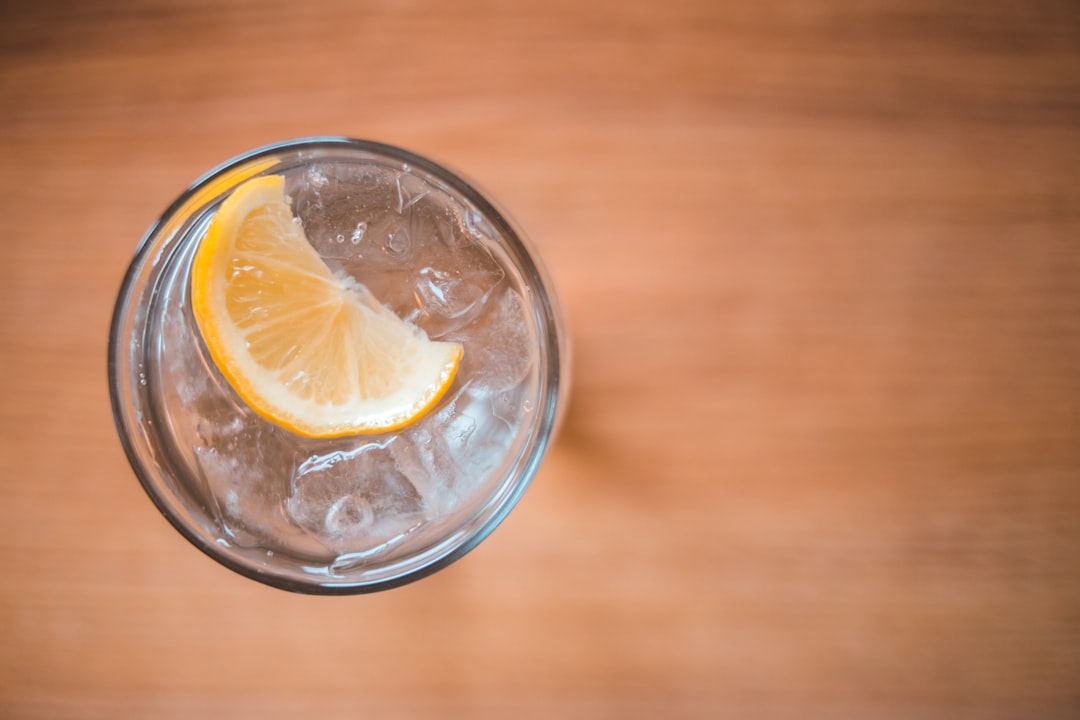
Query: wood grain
[[821, 261]]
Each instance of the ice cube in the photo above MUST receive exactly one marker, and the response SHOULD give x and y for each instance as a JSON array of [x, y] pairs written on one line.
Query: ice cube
[[456, 274], [453, 287], [422, 458], [353, 500], [452, 453], [499, 347], [417, 250], [245, 466], [338, 204], [390, 247], [202, 395], [432, 455], [411, 264]]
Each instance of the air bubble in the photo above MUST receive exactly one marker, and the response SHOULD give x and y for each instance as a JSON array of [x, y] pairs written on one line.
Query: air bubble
[[358, 233], [397, 243]]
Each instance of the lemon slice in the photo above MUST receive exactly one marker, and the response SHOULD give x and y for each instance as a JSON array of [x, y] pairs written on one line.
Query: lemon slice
[[308, 349]]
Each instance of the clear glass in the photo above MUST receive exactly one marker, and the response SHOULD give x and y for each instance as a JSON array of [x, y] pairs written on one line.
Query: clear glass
[[363, 513]]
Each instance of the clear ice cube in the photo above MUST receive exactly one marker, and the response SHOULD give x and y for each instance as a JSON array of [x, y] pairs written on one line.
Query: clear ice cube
[[417, 251], [453, 286], [245, 467], [433, 455], [353, 500], [452, 453], [338, 205], [500, 350]]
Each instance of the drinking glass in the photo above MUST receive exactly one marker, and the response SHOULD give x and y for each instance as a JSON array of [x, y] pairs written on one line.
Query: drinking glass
[[368, 512]]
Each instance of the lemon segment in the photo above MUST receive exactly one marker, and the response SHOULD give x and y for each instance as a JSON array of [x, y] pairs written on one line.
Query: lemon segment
[[307, 349]]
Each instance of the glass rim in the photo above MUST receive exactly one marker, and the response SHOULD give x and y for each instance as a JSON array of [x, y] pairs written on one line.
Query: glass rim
[[552, 387]]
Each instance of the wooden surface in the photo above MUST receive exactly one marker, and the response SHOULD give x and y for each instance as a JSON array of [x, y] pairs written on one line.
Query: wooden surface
[[821, 260]]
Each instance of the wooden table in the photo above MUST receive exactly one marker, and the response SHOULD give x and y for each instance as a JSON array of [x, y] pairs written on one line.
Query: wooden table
[[821, 260]]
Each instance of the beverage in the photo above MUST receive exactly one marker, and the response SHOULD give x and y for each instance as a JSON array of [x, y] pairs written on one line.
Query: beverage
[[357, 512]]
